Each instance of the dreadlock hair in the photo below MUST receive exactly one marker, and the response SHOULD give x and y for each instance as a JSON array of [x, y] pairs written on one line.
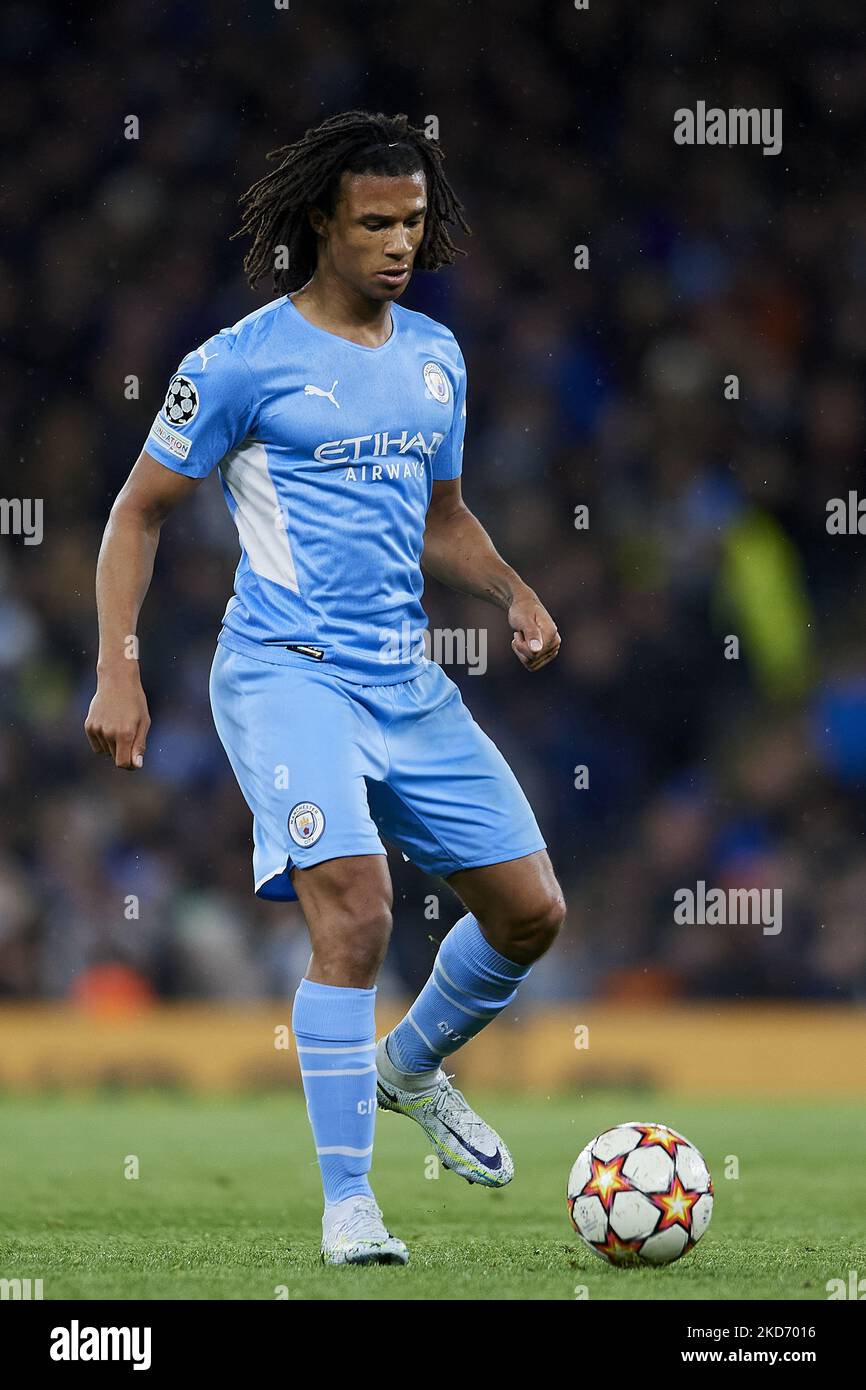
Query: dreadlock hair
[[359, 142]]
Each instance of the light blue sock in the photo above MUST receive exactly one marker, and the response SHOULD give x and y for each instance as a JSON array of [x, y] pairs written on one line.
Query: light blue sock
[[335, 1032], [470, 985]]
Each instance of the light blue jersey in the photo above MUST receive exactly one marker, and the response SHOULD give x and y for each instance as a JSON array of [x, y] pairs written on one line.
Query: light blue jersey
[[327, 453], [337, 726]]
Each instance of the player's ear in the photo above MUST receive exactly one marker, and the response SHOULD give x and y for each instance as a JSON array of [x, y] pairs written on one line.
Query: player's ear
[[318, 221]]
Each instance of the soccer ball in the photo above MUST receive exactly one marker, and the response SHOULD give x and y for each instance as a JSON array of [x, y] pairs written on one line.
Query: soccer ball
[[640, 1194]]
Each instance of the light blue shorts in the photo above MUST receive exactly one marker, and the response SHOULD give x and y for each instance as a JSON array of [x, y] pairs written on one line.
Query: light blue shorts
[[325, 765]]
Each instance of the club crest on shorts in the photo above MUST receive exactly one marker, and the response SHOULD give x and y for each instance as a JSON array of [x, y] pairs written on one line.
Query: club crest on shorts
[[437, 383], [181, 401], [306, 823]]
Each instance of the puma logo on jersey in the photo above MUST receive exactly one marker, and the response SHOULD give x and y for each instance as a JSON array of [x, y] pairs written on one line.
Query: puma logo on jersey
[[204, 355], [317, 391]]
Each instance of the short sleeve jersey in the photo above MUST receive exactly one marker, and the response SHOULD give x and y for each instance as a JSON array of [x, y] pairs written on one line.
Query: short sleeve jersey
[[327, 452]]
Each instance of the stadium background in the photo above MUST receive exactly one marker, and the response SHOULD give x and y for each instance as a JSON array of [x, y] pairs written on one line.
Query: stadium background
[[600, 387]]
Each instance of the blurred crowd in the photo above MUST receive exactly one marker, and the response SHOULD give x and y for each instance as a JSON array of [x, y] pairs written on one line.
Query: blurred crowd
[[736, 763]]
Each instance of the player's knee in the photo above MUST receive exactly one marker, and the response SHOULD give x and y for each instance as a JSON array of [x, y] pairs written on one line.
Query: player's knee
[[362, 927], [538, 926], [363, 949], [371, 923], [348, 912], [551, 915], [350, 948]]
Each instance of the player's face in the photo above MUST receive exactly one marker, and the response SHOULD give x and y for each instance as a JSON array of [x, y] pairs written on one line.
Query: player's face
[[375, 232]]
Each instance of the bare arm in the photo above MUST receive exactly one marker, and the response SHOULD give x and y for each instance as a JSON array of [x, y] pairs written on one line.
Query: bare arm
[[459, 553], [118, 719]]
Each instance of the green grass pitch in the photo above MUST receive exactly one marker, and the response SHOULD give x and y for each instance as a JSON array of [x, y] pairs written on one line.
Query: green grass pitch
[[227, 1202]]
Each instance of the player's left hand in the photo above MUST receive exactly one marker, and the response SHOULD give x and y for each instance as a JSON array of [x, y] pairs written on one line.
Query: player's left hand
[[536, 639]]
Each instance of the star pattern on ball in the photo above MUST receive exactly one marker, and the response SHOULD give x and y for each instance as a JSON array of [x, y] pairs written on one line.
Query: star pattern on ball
[[619, 1204], [675, 1207], [619, 1252], [607, 1179], [661, 1135]]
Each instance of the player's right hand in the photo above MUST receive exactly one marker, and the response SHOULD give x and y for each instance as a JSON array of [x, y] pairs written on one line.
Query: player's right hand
[[118, 720]]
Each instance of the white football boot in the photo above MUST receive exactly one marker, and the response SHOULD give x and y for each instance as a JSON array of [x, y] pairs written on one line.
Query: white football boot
[[463, 1141], [353, 1233]]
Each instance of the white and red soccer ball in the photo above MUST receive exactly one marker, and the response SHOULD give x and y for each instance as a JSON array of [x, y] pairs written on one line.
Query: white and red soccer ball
[[640, 1194]]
